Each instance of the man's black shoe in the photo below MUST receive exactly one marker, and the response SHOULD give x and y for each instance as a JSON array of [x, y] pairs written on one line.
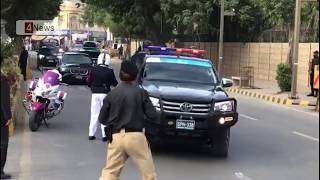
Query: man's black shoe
[[5, 176], [92, 137], [310, 94], [104, 139]]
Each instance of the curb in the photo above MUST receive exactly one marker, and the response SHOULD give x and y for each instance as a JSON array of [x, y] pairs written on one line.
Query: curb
[[270, 98], [18, 112]]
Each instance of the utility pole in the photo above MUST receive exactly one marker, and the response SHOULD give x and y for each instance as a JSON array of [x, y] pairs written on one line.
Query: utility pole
[[296, 39], [221, 37]]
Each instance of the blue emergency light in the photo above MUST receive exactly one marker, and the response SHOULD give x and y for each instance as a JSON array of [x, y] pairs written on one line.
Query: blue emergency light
[[159, 49]]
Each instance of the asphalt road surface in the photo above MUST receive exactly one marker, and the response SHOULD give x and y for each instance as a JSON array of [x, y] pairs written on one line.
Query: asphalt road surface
[[269, 142]]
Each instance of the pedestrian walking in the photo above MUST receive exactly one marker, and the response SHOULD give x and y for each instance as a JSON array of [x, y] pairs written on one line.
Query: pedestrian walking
[[120, 51], [23, 61], [314, 61], [123, 112], [5, 121], [100, 80]]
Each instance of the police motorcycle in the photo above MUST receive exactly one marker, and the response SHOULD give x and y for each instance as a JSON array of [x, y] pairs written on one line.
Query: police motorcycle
[[44, 100]]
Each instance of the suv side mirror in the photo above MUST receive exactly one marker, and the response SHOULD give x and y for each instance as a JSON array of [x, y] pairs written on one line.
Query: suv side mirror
[[227, 82]]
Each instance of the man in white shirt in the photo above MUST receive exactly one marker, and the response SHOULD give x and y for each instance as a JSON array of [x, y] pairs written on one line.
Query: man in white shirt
[[104, 56]]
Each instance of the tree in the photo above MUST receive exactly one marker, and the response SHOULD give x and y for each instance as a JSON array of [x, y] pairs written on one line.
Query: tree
[[140, 19], [310, 21], [13, 10], [280, 15]]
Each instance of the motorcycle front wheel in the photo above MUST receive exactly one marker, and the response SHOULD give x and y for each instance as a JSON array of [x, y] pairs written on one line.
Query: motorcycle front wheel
[[35, 119]]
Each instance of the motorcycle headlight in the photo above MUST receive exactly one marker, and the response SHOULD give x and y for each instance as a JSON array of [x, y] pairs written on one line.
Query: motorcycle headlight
[[155, 102], [41, 56], [45, 94], [225, 106]]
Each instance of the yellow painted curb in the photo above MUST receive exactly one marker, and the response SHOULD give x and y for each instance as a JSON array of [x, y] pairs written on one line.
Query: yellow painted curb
[[269, 98], [304, 103]]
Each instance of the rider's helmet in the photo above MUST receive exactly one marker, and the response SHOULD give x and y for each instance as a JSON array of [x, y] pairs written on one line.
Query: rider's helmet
[[52, 77]]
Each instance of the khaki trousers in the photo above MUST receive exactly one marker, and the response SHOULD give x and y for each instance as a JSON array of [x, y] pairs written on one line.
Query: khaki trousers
[[123, 146]]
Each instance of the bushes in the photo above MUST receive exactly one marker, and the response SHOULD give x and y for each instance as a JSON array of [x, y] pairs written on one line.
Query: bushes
[[9, 66], [284, 76]]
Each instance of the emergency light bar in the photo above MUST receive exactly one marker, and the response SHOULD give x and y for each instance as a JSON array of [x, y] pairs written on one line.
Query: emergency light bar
[[192, 52], [175, 51], [159, 49]]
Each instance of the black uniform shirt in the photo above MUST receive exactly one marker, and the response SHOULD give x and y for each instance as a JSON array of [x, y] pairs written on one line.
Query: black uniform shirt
[[126, 106], [5, 102], [101, 78]]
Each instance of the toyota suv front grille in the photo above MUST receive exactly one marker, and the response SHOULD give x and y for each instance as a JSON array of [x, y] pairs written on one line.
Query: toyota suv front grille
[[186, 108]]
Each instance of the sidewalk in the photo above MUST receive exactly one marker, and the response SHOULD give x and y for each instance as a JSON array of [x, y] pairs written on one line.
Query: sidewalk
[[269, 91]]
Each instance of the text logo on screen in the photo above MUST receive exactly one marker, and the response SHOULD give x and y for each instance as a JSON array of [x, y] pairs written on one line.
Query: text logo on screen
[[35, 27]]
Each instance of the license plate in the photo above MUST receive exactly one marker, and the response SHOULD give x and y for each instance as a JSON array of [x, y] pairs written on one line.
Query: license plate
[[50, 60], [78, 77], [185, 124]]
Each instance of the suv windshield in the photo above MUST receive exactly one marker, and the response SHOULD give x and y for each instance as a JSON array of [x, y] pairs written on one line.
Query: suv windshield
[[89, 45], [76, 59], [49, 50], [179, 73]]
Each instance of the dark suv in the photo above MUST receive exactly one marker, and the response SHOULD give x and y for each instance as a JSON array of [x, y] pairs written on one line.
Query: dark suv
[[48, 56], [75, 67], [191, 101]]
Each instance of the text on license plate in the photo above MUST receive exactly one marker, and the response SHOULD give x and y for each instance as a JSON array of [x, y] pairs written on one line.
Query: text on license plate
[[185, 124]]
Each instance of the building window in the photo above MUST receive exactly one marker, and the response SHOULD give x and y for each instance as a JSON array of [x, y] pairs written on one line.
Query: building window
[[74, 24]]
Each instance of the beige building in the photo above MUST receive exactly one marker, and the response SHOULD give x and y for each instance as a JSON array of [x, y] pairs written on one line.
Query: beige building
[[70, 16], [68, 25]]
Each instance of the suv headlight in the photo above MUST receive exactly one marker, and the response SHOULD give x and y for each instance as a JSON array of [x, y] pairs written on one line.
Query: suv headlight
[[224, 106], [64, 69], [41, 56], [155, 102]]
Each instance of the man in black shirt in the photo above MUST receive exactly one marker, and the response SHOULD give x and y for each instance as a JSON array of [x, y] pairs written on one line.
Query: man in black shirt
[[5, 121], [23, 61], [313, 63], [123, 112], [100, 79]]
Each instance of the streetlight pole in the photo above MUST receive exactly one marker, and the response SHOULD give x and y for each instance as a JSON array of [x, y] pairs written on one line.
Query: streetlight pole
[[221, 37], [296, 38]]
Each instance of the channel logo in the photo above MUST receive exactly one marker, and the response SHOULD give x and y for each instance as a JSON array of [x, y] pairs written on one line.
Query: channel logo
[[28, 27], [34, 27]]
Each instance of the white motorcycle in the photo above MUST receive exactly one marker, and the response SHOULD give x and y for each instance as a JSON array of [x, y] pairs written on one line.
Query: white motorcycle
[[43, 99]]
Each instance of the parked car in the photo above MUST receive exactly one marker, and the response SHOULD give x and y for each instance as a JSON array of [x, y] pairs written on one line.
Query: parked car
[[49, 56], [75, 67]]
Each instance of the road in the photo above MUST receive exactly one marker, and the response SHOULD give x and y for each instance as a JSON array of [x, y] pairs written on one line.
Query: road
[[269, 142]]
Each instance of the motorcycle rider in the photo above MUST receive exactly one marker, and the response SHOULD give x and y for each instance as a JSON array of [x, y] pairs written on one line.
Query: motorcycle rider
[[99, 80]]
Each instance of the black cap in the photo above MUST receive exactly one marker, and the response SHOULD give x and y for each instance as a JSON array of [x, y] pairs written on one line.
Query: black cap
[[130, 68], [316, 52]]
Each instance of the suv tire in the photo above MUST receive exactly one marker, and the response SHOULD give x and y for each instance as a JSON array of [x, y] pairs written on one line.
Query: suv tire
[[219, 145]]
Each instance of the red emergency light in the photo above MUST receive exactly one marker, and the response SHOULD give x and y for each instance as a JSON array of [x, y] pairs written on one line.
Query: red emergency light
[[190, 52]]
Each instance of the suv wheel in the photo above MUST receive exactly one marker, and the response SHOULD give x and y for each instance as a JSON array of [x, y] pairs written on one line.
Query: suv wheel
[[219, 145]]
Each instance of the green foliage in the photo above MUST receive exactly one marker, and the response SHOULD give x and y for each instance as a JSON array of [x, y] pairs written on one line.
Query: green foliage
[[284, 74], [310, 20], [13, 10], [9, 66], [278, 13], [162, 20]]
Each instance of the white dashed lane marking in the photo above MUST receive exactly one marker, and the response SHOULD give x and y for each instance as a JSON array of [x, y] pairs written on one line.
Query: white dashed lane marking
[[248, 117], [305, 136]]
